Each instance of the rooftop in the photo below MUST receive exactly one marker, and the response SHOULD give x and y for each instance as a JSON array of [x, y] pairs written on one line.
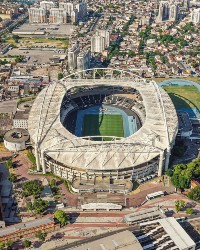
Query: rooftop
[[16, 135], [123, 241]]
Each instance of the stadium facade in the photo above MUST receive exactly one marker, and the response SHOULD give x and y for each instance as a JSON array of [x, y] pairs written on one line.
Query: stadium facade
[[59, 150]]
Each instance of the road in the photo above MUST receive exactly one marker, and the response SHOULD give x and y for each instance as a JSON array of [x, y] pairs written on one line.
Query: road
[[13, 24]]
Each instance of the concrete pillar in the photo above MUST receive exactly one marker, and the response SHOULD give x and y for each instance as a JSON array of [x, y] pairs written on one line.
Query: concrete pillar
[[168, 153], [43, 163], [160, 167], [37, 157]]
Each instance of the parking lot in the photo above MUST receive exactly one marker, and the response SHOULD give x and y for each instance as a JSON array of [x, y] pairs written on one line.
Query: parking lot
[[36, 56]]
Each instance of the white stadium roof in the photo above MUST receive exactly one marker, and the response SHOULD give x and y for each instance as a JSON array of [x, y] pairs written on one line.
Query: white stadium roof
[[156, 134]]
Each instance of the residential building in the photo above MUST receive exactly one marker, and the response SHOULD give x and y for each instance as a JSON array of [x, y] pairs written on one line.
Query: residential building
[[28, 229], [72, 57], [57, 15], [195, 18], [47, 5], [173, 12], [20, 119], [97, 44], [83, 60], [37, 15], [105, 34]]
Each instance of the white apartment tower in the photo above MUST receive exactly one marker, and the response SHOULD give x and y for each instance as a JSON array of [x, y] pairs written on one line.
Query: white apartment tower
[[97, 44], [65, 13], [195, 17], [69, 7], [47, 5], [72, 57], [105, 34], [173, 12], [83, 60], [186, 4], [167, 11], [37, 15], [163, 13], [57, 15]]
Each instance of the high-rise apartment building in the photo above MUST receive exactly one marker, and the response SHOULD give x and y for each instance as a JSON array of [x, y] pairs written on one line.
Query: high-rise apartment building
[[65, 13], [83, 60], [37, 15], [195, 17], [82, 10], [100, 41], [47, 5], [57, 15], [105, 34], [72, 57], [97, 44], [186, 4], [173, 12], [167, 11]]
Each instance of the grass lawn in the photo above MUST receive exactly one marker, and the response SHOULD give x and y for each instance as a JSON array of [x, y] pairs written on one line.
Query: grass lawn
[[184, 96], [103, 125]]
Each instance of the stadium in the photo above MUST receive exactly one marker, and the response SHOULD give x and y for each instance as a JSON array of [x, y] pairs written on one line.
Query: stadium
[[102, 123]]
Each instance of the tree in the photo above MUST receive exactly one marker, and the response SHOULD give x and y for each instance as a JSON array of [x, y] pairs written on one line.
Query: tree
[[183, 174], [12, 177], [41, 235], [29, 206], [52, 182], [62, 217], [40, 206], [60, 75], [16, 38], [194, 194], [9, 245], [189, 210], [179, 204], [169, 172], [32, 188], [27, 243], [9, 163], [2, 245]]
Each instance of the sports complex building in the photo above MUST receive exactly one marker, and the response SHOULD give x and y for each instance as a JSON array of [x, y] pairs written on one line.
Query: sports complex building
[[103, 123]]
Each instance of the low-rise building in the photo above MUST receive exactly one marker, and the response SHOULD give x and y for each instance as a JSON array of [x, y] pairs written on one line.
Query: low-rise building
[[28, 229], [20, 119]]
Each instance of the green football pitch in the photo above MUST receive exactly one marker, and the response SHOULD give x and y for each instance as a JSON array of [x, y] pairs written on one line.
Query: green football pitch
[[184, 96], [103, 125]]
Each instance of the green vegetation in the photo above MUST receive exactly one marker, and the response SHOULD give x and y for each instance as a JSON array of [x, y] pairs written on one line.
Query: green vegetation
[[9, 163], [182, 174], [39, 206], [62, 217], [32, 188], [184, 96], [12, 177], [54, 188], [189, 210], [103, 124], [179, 204], [9, 245], [2, 245], [31, 157], [41, 235], [194, 194], [60, 75], [19, 59], [27, 243]]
